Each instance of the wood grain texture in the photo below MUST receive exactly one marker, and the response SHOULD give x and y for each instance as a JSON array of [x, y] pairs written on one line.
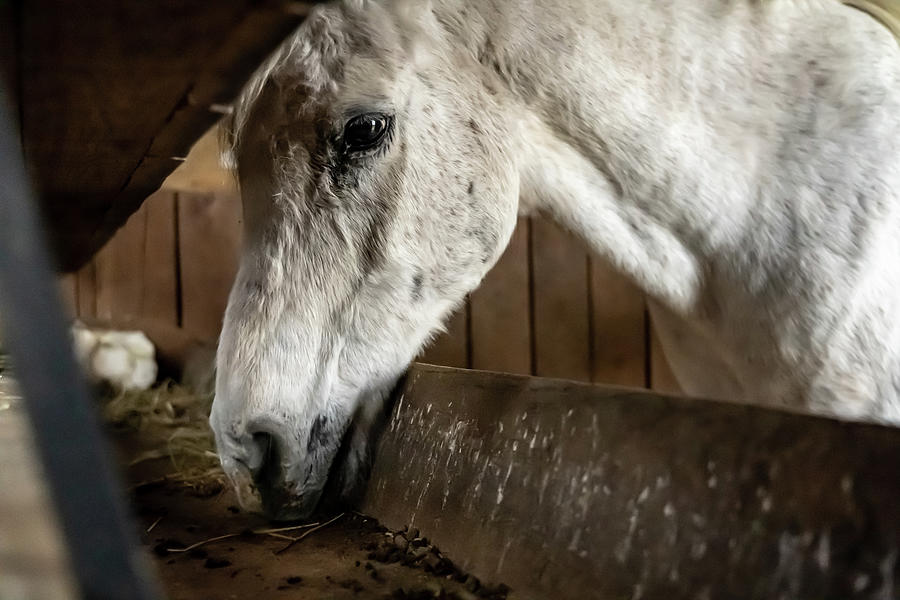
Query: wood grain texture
[[160, 273], [560, 289], [618, 328], [202, 170], [451, 348], [500, 311], [112, 91], [209, 236], [33, 558], [661, 377], [120, 267]]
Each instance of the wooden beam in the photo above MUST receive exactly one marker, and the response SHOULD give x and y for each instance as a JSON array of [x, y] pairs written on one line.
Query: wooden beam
[[114, 93]]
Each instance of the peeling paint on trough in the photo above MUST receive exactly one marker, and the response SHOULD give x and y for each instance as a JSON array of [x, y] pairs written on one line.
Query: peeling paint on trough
[[567, 490]]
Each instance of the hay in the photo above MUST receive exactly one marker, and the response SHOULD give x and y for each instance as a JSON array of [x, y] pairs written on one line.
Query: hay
[[172, 420], [169, 421]]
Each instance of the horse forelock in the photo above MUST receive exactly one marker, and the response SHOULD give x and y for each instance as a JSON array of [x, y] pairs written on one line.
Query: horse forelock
[[310, 62], [309, 59]]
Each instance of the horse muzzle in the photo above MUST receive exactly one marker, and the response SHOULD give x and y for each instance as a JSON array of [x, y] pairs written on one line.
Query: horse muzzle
[[289, 486], [274, 472]]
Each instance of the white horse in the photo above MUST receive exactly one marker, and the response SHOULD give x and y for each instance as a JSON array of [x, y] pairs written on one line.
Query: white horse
[[739, 160]]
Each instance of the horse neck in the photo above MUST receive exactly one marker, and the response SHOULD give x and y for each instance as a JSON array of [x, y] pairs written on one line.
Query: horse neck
[[644, 126], [600, 88]]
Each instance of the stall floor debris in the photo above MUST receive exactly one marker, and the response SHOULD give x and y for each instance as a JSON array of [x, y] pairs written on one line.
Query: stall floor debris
[[353, 557], [201, 543], [205, 546]]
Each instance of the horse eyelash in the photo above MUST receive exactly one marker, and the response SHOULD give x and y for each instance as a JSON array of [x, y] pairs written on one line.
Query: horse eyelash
[[379, 150]]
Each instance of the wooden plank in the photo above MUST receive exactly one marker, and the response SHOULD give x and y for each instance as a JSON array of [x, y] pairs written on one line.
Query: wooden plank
[[87, 291], [618, 328], [561, 319], [33, 557], [111, 92], [160, 301], [661, 377], [120, 269], [451, 348], [202, 170], [571, 491], [500, 317], [209, 237]]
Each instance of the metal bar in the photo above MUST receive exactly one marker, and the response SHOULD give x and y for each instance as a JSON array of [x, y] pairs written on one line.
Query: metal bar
[[102, 547]]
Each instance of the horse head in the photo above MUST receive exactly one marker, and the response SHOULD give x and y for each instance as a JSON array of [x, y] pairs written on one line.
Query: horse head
[[379, 187]]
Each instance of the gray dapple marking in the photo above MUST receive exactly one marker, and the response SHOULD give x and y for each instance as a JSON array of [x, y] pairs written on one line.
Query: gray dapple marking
[[739, 160]]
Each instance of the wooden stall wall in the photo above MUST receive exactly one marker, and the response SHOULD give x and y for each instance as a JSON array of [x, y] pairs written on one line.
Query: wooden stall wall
[[172, 263], [551, 308], [548, 308]]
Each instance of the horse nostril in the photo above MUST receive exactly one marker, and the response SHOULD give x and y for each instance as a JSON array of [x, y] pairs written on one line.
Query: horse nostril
[[260, 447], [265, 462]]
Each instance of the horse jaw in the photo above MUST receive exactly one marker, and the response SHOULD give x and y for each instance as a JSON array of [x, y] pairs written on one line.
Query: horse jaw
[[296, 405]]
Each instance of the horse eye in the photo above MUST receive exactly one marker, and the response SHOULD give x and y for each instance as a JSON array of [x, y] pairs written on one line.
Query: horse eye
[[364, 132]]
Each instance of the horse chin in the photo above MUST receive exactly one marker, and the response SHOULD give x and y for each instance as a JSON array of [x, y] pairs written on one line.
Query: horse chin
[[244, 487], [342, 487], [284, 500], [341, 490], [350, 470], [349, 474]]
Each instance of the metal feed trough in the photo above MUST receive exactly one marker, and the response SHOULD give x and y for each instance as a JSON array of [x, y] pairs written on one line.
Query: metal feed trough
[[561, 490], [570, 490]]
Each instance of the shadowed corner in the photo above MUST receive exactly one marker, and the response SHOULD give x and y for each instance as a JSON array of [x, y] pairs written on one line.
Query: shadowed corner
[[348, 477]]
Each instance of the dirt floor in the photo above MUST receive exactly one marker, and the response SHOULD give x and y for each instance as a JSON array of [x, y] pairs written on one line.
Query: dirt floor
[[205, 547], [353, 557]]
